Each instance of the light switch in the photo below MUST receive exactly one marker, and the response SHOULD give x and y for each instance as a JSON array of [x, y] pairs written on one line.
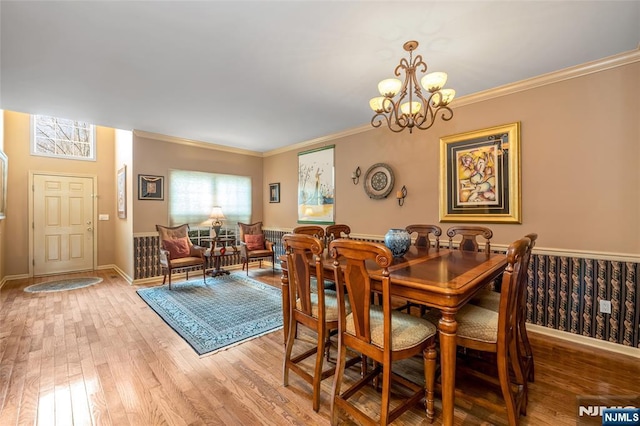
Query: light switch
[[103, 217]]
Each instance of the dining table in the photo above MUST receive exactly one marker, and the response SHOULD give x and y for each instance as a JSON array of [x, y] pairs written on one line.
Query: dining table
[[439, 278]]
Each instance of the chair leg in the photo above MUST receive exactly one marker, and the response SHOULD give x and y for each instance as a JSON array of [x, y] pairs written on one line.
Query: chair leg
[[169, 280], [337, 381], [505, 385], [430, 354], [317, 374], [204, 274], [386, 393], [293, 329], [528, 351]]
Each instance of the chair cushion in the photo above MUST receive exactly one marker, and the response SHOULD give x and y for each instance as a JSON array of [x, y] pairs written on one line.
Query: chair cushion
[[474, 323], [183, 262], [487, 299], [178, 247], [254, 241], [330, 305], [407, 330]]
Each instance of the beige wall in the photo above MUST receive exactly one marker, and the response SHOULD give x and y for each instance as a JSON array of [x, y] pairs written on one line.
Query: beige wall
[[580, 175], [21, 163], [2, 222], [156, 157], [124, 226]]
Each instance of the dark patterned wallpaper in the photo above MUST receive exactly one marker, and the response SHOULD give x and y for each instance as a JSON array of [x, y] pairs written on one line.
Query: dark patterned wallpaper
[[562, 293]]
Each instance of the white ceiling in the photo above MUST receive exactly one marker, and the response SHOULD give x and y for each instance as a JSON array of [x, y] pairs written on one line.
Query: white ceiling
[[266, 74]]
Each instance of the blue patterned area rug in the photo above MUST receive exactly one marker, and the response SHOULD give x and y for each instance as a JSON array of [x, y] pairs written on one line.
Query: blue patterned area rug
[[62, 285], [226, 311]]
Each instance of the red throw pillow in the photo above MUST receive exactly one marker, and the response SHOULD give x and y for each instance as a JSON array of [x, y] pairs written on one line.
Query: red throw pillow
[[254, 242], [177, 248]]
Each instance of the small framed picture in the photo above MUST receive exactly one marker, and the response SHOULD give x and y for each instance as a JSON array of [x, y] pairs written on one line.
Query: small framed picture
[[274, 192], [150, 187], [122, 192]]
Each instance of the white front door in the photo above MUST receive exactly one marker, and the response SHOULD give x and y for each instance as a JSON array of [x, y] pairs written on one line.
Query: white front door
[[62, 224]]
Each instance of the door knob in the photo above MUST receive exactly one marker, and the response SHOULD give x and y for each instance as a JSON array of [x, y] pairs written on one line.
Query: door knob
[[89, 229]]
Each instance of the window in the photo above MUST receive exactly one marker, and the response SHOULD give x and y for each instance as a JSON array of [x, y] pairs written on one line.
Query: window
[[63, 138], [192, 195]]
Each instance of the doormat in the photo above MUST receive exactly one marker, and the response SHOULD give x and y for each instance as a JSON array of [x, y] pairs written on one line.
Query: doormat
[[225, 311], [62, 285]]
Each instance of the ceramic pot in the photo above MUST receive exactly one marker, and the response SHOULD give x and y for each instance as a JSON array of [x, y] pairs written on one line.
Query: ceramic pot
[[398, 241]]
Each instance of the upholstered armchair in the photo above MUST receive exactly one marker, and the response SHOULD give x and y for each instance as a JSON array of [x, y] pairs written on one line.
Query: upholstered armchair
[[178, 252], [254, 245]]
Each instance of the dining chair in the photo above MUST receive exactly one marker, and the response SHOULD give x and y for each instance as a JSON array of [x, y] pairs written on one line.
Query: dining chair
[[469, 234], [334, 232], [485, 330], [254, 245], [177, 252], [313, 230], [424, 231], [377, 332], [317, 310], [491, 300]]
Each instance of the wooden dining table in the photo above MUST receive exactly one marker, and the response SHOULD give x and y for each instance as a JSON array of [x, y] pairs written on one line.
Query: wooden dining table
[[443, 279]]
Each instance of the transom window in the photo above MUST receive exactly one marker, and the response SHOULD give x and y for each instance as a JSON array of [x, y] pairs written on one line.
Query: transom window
[[62, 138]]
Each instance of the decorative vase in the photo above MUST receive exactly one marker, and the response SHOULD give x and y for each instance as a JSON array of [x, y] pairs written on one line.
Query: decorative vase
[[398, 241]]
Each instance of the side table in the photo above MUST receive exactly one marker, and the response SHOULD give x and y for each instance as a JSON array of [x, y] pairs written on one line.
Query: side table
[[217, 253]]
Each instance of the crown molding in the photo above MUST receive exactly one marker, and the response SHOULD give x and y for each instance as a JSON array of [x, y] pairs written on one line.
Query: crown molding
[[599, 65], [323, 139], [581, 70], [194, 143]]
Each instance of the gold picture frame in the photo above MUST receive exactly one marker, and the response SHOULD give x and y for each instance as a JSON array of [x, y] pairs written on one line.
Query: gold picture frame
[[480, 176]]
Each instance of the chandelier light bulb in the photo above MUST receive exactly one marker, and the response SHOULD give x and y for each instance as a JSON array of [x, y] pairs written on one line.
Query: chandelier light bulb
[[410, 108], [389, 87], [377, 104], [434, 81], [443, 97]]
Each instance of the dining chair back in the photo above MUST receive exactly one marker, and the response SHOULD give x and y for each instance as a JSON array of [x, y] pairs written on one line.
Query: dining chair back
[[313, 308], [334, 232], [377, 332], [469, 234], [313, 230], [423, 231], [177, 252]]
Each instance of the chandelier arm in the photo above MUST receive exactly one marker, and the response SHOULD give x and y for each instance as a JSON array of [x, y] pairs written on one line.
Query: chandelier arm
[[419, 62]]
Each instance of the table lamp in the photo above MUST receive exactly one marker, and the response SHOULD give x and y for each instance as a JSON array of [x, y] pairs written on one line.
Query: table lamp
[[216, 217]]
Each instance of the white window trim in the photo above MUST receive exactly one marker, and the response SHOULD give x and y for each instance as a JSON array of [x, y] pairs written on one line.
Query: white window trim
[[92, 138]]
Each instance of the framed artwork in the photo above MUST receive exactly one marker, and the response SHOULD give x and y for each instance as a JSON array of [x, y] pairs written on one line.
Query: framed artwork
[[480, 176], [150, 187], [378, 181], [316, 186], [121, 181], [3, 185], [274, 192]]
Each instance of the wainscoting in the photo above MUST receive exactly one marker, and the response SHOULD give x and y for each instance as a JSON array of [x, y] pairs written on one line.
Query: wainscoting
[[563, 291]]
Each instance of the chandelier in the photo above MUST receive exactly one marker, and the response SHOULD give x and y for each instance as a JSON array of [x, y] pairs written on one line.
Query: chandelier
[[403, 104]]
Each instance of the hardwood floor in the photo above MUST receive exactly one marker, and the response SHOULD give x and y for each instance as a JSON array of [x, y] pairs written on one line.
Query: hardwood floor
[[99, 355]]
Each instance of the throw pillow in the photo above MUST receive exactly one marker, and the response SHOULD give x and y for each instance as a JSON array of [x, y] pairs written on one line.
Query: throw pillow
[[178, 247], [254, 242]]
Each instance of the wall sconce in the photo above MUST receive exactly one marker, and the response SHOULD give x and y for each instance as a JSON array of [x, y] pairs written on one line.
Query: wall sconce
[[401, 195], [355, 176]]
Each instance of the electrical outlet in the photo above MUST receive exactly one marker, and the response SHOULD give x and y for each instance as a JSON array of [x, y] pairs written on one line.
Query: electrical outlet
[[605, 306]]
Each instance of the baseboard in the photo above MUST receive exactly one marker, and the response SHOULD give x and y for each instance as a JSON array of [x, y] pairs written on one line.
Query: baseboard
[[120, 272], [584, 340]]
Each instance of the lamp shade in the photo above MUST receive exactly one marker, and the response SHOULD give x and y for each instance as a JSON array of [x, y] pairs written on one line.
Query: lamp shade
[[377, 104], [389, 87], [443, 97], [216, 215]]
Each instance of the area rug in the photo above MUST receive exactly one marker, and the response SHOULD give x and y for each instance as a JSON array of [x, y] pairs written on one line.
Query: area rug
[[225, 311], [62, 285]]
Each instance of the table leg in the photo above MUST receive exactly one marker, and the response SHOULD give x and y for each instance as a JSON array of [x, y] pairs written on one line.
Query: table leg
[[285, 304], [448, 328]]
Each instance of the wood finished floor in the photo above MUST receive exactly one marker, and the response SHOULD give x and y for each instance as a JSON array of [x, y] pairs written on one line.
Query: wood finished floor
[[99, 355]]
